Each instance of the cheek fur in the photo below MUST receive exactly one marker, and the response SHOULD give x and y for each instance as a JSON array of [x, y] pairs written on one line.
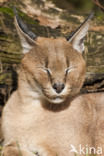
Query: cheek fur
[[75, 79], [42, 78]]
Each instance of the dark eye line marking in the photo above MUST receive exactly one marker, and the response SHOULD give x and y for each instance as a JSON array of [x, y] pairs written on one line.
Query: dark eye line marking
[[48, 71], [67, 62], [69, 69], [49, 74], [46, 63]]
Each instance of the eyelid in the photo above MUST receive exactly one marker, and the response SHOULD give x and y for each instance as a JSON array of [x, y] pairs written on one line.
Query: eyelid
[[69, 69], [47, 70]]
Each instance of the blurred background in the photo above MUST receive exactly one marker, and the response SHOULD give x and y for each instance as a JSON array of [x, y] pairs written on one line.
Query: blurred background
[[75, 4], [50, 18]]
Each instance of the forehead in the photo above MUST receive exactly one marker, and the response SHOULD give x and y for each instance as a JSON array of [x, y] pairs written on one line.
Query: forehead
[[51, 43], [59, 47], [56, 51]]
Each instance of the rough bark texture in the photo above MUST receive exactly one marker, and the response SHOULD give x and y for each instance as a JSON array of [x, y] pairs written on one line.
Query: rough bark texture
[[46, 20]]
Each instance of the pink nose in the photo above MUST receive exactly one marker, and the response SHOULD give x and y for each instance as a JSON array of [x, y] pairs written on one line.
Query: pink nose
[[58, 87]]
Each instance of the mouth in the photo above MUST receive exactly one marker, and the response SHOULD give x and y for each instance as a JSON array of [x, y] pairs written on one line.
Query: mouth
[[55, 100]]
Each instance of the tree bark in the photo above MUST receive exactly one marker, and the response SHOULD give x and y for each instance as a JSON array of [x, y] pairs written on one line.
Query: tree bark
[[10, 49]]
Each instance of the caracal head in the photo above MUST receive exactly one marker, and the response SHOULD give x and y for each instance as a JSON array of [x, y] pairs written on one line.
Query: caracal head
[[55, 66]]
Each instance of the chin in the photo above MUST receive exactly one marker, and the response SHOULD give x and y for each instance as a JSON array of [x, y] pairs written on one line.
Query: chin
[[56, 100]]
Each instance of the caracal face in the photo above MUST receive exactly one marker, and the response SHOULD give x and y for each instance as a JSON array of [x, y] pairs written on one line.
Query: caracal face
[[57, 68]]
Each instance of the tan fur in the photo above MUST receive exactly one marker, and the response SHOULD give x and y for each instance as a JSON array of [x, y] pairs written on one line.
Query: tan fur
[[36, 122]]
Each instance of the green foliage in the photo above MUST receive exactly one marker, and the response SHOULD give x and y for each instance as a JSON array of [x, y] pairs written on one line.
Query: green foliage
[[79, 5], [6, 10]]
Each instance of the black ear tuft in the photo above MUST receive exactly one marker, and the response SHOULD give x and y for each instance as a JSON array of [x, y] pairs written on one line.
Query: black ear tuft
[[23, 26], [70, 37], [77, 37]]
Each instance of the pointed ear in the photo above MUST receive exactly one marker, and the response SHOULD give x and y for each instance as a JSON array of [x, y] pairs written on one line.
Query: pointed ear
[[27, 37], [77, 37]]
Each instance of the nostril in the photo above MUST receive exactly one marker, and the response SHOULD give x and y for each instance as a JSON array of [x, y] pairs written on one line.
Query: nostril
[[63, 86], [58, 87], [55, 86]]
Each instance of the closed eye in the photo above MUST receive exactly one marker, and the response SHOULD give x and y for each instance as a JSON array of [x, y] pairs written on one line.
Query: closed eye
[[47, 70], [69, 69]]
